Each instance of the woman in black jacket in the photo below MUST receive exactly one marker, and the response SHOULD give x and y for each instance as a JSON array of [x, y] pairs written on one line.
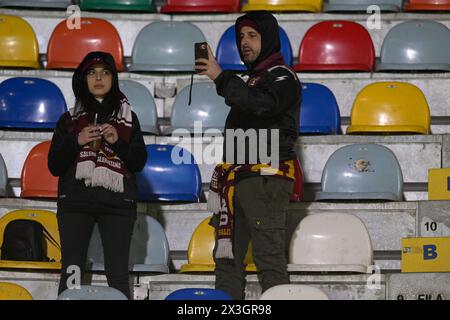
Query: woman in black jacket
[[96, 149]]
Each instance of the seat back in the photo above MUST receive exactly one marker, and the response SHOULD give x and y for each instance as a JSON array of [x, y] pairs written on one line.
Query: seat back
[[362, 171], [166, 46], [3, 178], [206, 106], [118, 5], [392, 107], [142, 103], [149, 249], [94, 35], [36, 179], [198, 294], [189, 6], [200, 250], [333, 242], [411, 45], [12, 291], [19, 44], [92, 293], [54, 4], [44, 217], [170, 174], [283, 5], [30, 103], [227, 54], [319, 111], [336, 45], [427, 5], [362, 5], [293, 292]]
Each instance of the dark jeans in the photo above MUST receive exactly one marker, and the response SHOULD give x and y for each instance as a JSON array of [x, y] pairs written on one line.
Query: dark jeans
[[75, 231], [259, 216]]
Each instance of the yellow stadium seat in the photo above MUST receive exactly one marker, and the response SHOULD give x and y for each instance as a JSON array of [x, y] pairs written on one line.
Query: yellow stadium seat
[[439, 184], [12, 291], [390, 107], [18, 43], [426, 254], [49, 221], [284, 5], [201, 246]]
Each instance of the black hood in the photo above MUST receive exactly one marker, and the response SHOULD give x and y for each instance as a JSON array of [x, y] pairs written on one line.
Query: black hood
[[270, 37], [84, 99]]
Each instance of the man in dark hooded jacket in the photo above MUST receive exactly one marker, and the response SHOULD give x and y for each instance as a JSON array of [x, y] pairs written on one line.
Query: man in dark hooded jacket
[[265, 107]]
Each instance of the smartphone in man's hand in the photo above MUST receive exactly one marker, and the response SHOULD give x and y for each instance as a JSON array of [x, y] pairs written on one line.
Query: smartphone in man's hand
[[201, 52]]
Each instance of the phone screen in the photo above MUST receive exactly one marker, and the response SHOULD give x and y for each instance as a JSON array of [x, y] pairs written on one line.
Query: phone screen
[[201, 52]]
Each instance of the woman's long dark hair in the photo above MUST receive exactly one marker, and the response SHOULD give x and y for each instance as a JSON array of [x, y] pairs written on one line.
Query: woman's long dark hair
[[85, 101]]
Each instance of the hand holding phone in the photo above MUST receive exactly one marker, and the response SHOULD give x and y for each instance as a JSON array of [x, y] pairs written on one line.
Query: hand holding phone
[[201, 52]]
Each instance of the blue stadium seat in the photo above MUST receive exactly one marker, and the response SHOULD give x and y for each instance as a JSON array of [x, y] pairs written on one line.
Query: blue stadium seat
[[319, 112], [363, 172], [149, 250], [3, 177], [30, 103], [56, 4], [170, 174], [228, 55], [206, 106], [166, 46], [198, 294], [92, 293], [142, 103]]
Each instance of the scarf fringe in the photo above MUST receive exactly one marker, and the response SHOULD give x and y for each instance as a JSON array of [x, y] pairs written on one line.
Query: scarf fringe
[[224, 249], [214, 204], [103, 177], [84, 171]]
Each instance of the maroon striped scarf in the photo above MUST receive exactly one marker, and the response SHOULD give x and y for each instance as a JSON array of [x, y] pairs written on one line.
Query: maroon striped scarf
[[103, 168]]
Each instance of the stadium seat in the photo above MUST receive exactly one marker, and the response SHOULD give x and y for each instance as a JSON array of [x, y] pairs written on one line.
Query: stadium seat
[[361, 5], [12, 291], [200, 251], [198, 294], [191, 6], [51, 4], [20, 48], [283, 5], [149, 250], [166, 46], [30, 103], [206, 106], [142, 103], [411, 45], [36, 181], [118, 5], [92, 293], [362, 172], [298, 188], [48, 220], [439, 184], [227, 54], [390, 107], [170, 174], [94, 35], [319, 111], [330, 242], [336, 46], [427, 5], [3, 178], [293, 292]]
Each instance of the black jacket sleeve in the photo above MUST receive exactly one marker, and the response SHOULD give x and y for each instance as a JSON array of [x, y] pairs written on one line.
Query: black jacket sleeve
[[133, 154], [64, 147], [277, 90]]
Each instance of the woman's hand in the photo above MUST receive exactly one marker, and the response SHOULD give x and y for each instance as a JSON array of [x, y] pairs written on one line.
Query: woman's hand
[[109, 133], [88, 134]]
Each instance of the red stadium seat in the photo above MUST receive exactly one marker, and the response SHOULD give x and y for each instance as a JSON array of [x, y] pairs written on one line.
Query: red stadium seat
[[36, 180], [298, 189], [427, 5], [174, 6], [336, 46], [67, 47]]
